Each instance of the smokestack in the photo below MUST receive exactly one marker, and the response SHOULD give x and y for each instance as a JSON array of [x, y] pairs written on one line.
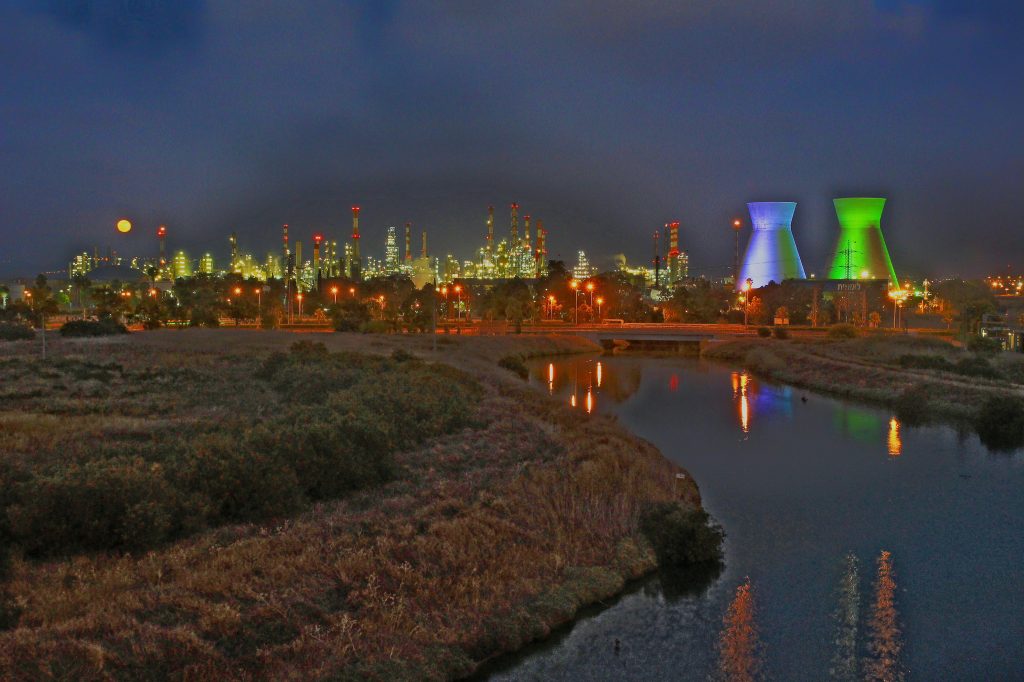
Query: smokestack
[[771, 254], [357, 261], [317, 239], [161, 233], [234, 252], [526, 233], [490, 230], [542, 249], [657, 262], [408, 242], [673, 251], [423, 254], [515, 226]]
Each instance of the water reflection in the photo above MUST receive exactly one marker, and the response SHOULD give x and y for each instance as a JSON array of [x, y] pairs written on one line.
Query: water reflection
[[885, 637], [583, 381], [894, 441], [740, 648]]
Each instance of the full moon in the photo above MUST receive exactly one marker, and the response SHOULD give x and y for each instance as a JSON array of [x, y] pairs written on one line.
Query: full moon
[[124, 226]]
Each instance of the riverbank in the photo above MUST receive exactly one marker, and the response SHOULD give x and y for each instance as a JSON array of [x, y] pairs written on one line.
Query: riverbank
[[493, 526], [928, 375]]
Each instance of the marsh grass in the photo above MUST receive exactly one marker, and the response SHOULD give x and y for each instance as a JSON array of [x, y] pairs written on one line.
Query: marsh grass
[[486, 535]]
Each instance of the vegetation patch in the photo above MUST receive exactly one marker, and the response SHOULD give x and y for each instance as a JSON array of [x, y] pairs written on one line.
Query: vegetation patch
[[14, 331], [102, 327], [1000, 422], [514, 364], [681, 536]]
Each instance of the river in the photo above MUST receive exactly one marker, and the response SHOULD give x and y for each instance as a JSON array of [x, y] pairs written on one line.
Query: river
[[800, 482]]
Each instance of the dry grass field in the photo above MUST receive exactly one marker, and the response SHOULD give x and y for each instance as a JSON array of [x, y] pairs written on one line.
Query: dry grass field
[[207, 504]]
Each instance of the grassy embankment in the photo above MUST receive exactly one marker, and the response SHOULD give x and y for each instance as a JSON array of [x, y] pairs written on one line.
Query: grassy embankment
[[923, 377], [187, 504]]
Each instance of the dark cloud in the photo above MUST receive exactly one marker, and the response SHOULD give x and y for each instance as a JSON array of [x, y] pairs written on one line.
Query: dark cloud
[[603, 118]]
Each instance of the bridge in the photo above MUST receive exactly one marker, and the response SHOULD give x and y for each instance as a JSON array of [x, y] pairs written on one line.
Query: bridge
[[655, 337]]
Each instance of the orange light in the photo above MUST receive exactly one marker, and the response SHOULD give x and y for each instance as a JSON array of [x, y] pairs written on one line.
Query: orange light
[[574, 284], [458, 288], [334, 290], [298, 296], [600, 300], [736, 223], [152, 292], [590, 286], [238, 291], [124, 226], [352, 290], [551, 299]]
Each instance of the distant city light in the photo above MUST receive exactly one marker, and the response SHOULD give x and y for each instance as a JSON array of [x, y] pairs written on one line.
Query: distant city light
[[124, 226]]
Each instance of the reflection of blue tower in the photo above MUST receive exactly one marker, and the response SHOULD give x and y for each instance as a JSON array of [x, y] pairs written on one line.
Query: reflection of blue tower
[[771, 253]]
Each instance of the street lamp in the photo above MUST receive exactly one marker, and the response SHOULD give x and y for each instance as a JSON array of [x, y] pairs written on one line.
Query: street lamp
[[600, 301], [576, 291], [458, 309], [551, 307], [298, 297], [746, 299], [259, 302], [334, 290]]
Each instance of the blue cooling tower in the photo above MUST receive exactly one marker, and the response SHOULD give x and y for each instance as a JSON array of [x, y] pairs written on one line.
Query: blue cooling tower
[[771, 253]]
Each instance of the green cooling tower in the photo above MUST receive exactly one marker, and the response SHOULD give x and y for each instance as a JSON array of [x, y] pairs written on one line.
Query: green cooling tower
[[860, 251]]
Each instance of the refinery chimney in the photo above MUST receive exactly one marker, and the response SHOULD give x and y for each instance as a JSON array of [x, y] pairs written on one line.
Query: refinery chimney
[[423, 254], [542, 249], [357, 261], [771, 254], [490, 231], [408, 243], [860, 251], [514, 242], [673, 251]]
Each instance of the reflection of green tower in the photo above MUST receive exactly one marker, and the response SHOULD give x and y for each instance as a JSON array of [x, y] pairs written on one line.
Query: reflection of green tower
[[860, 251]]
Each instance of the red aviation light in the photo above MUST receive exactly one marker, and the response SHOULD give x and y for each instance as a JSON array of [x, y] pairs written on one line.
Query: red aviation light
[[161, 231], [317, 238]]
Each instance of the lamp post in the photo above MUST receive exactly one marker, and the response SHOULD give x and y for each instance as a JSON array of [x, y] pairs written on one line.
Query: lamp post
[[259, 303], [551, 307], [447, 308], [600, 301], [298, 297], [381, 301], [576, 291], [334, 290], [458, 308], [746, 299]]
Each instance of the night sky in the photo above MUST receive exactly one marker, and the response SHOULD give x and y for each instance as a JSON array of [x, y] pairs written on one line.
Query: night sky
[[605, 119]]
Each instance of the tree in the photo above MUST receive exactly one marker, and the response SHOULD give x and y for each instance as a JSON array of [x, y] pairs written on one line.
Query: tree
[[511, 300], [699, 302], [350, 315], [969, 299]]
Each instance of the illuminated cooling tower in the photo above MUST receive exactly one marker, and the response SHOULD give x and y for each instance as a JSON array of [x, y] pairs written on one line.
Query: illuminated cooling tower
[[771, 253], [860, 251]]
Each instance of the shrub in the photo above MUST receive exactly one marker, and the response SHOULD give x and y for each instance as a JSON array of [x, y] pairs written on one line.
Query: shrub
[[402, 355], [843, 331], [514, 363], [1000, 422], [764, 332], [308, 350], [376, 327], [912, 405], [350, 316], [984, 345], [104, 504], [681, 537], [12, 331], [238, 482], [976, 367], [103, 327], [781, 333]]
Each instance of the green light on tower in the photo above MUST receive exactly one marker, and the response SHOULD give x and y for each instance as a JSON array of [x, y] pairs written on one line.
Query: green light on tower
[[860, 249]]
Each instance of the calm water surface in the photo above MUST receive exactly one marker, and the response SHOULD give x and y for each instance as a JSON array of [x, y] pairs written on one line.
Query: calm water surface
[[798, 486]]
